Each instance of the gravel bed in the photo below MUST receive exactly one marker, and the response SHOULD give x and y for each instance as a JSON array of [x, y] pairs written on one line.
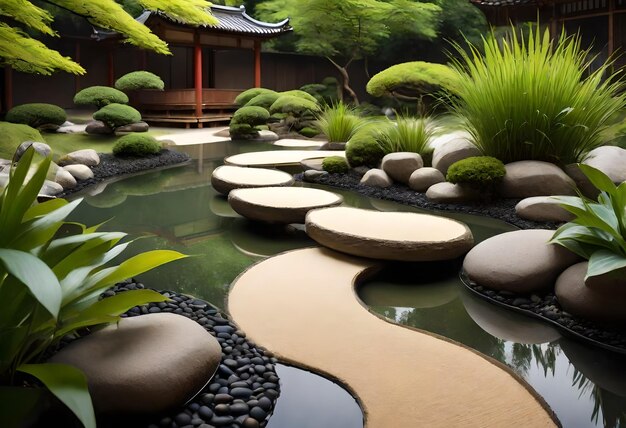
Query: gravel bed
[[111, 166], [502, 209], [243, 391]]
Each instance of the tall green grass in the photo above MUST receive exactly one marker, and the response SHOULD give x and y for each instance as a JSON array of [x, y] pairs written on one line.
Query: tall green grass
[[407, 134], [339, 122], [531, 97]]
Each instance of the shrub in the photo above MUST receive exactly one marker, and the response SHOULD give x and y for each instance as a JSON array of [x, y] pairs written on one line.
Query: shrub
[[243, 98], [263, 100], [139, 80], [300, 94], [335, 165], [369, 110], [36, 115], [413, 79], [532, 97], [253, 116], [138, 145], [406, 135], [116, 115], [481, 172], [100, 96], [12, 135], [317, 90], [309, 132], [598, 233], [294, 105], [363, 150], [37, 311], [242, 130], [339, 122]]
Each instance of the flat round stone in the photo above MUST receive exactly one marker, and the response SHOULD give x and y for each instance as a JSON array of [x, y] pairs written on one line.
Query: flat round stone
[[279, 157], [226, 178], [292, 142], [280, 204], [389, 235]]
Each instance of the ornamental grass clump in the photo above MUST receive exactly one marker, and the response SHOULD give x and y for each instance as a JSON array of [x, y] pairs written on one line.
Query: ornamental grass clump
[[534, 98], [407, 134], [339, 122]]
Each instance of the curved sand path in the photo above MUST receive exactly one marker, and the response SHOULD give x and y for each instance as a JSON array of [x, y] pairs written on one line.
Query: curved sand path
[[279, 157], [301, 305]]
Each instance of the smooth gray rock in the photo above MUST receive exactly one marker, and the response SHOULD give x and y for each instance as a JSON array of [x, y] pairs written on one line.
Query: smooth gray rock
[[50, 188], [333, 146], [453, 151], [310, 175], [421, 179], [376, 178], [610, 160], [542, 208], [581, 180], [133, 127], [79, 172], [41, 148], [265, 135], [65, 179], [97, 127], [87, 157], [400, 165], [524, 179], [448, 193], [520, 262], [144, 364]]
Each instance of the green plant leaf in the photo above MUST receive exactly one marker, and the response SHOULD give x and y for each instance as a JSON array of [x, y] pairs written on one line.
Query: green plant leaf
[[598, 179], [36, 275], [69, 385], [603, 261], [44, 208]]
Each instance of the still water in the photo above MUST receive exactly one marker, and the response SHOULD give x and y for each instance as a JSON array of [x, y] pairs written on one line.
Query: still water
[[178, 209]]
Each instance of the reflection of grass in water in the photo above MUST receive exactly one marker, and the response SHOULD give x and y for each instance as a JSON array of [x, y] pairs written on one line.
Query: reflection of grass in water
[[141, 185], [611, 406], [107, 199]]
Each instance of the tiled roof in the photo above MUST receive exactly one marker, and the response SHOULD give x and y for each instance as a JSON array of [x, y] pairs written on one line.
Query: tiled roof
[[504, 2]]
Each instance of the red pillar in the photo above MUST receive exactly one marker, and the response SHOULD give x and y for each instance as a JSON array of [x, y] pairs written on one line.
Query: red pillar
[[257, 63], [197, 60], [111, 66], [8, 88], [77, 59]]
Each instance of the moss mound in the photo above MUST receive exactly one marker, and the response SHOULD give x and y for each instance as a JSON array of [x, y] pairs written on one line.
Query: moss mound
[[413, 79], [243, 98], [100, 96], [139, 80], [335, 165], [263, 100], [481, 172], [116, 115], [363, 150], [138, 145], [37, 114]]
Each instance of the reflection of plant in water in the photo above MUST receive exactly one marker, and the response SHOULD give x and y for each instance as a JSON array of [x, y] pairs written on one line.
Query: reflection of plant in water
[[544, 355], [610, 405]]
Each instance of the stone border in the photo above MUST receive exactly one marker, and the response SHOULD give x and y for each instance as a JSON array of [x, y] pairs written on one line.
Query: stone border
[[536, 307]]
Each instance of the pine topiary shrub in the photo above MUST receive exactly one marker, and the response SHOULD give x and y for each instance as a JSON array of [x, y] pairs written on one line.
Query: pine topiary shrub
[[300, 94], [252, 116], [137, 145], [335, 165], [480, 172], [36, 115], [243, 98], [100, 96], [413, 80], [139, 80], [263, 100], [116, 115], [295, 106]]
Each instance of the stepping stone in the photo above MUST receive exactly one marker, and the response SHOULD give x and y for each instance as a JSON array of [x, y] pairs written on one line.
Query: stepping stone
[[226, 178], [280, 204], [144, 364], [279, 157], [389, 235], [290, 142]]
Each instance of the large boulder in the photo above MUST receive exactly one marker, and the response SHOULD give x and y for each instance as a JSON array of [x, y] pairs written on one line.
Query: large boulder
[[448, 193], [520, 262], [97, 127], [601, 305], [453, 151], [421, 179], [400, 165], [524, 179], [65, 179], [41, 148], [376, 178], [582, 182], [133, 127], [610, 160], [87, 157], [145, 364], [542, 208], [79, 172]]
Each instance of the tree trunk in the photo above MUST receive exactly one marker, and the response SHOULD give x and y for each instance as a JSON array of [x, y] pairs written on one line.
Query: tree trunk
[[345, 80]]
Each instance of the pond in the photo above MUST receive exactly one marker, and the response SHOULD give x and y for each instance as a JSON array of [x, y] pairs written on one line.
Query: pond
[[178, 209]]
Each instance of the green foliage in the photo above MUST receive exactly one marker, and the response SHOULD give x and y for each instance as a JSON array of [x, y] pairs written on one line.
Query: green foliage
[[363, 150], [295, 106], [50, 283], [26, 54], [139, 80], [369, 110], [100, 96], [481, 172], [12, 135], [325, 92], [339, 122], [36, 115], [243, 98], [406, 135], [264, 100], [598, 233], [116, 115], [242, 130], [335, 165], [413, 79], [300, 94], [138, 145], [530, 97], [252, 116], [309, 132]]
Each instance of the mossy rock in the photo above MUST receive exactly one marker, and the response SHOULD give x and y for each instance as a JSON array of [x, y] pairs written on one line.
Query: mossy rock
[[242, 130], [264, 100], [309, 132], [252, 116], [413, 79], [36, 115], [243, 98], [100, 96], [116, 115], [481, 172], [363, 150], [335, 165], [139, 80], [136, 145]]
